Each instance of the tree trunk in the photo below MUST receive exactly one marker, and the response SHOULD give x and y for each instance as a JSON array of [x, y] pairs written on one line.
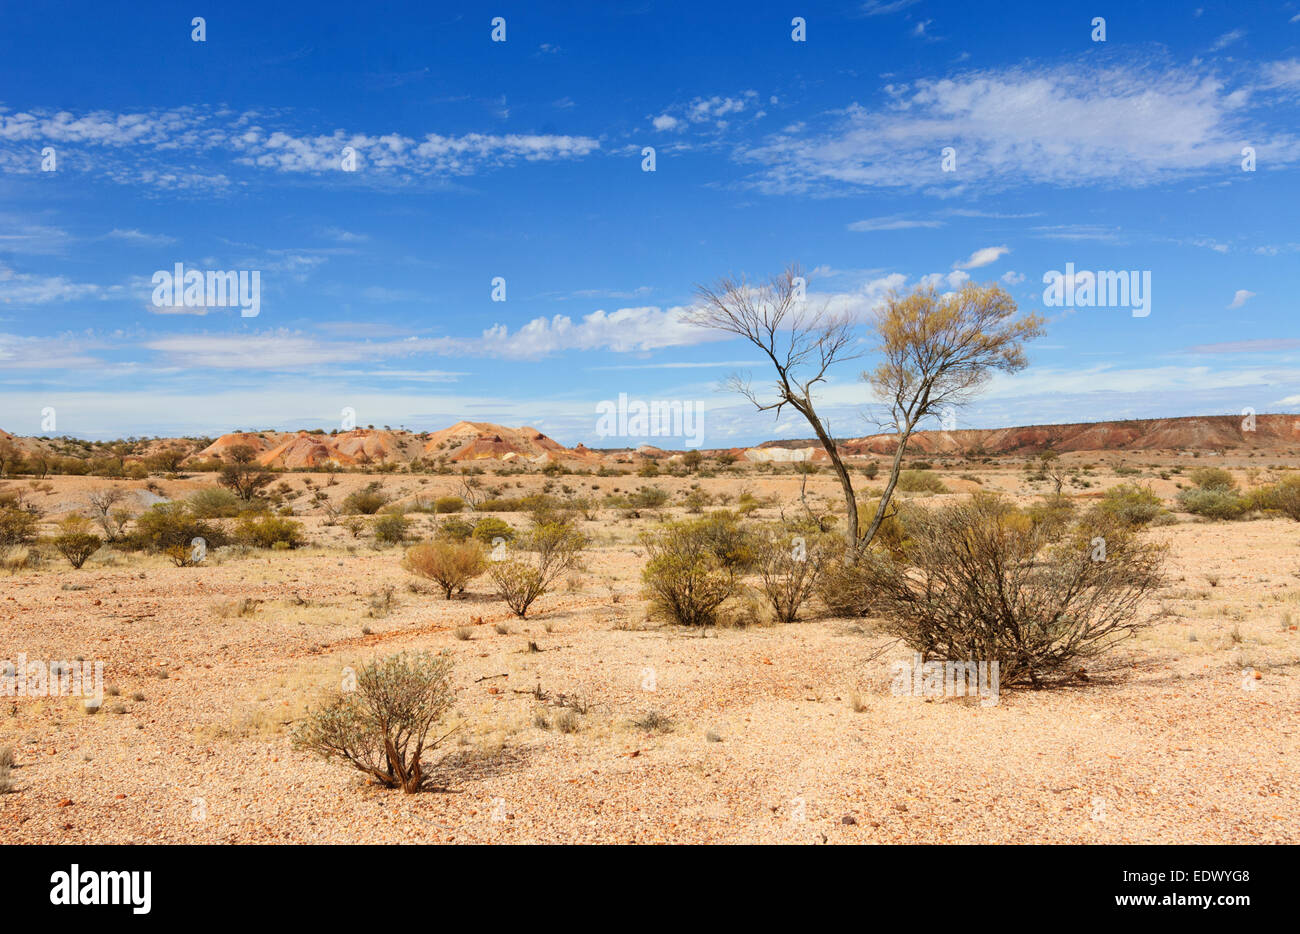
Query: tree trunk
[[837, 463], [885, 497]]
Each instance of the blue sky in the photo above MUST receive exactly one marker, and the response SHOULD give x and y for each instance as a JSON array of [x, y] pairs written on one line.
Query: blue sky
[[523, 160]]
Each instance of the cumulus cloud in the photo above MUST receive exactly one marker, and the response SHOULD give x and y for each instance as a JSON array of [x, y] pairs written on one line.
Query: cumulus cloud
[[1241, 297], [983, 257]]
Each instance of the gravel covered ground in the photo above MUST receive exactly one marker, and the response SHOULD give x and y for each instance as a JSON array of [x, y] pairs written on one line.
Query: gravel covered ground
[[772, 734]]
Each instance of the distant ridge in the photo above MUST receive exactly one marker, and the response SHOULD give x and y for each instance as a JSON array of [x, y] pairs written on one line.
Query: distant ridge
[[467, 441], [1187, 433]]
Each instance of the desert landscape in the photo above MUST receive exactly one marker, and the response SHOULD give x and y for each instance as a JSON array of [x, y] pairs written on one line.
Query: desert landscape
[[649, 424], [594, 718]]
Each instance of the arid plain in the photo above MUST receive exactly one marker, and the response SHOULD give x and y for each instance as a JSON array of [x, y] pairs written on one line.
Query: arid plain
[[593, 721]]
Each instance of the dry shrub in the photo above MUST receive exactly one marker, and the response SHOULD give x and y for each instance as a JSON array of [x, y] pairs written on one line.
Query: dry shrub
[[982, 582], [845, 585], [789, 563], [694, 567], [845, 588], [75, 541], [17, 526], [1283, 497], [367, 501], [383, 726], [539, 558], [449, 564], [1131, 505], [920, 481]]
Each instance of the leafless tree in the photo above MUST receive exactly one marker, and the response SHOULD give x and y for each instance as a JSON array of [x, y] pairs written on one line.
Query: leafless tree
[[802, 343], [101, 504]]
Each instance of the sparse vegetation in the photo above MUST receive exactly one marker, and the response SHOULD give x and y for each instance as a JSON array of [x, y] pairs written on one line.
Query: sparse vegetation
[[451, 565], [536, 561], [982, 582], [262, 530], [694, 567], [75, 541], [386, 725]]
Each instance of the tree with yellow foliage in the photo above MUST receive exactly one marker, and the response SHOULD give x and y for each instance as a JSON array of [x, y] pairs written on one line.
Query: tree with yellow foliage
[[938, 351]]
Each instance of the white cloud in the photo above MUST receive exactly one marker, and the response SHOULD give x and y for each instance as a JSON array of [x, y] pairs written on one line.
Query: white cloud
[[665, 122], [983, 257], [892, 223], [1227, 39], [1067, 125], [1241, 297], [883, 7], [213, 134], [1284, 74], [1262, 345], [1011, 277], [711, 108], [25, 289], [627, 329], [136, 236], [18, 352]]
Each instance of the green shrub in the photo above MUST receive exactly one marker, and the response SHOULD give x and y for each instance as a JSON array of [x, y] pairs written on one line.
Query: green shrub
[[920, 481], [1052, 512], [648, 497], [489, 528], [1283, 497], [391, 528], [165, 526], [455, 529], [260, 530], [215, 503], [1212, 478], [892, 534], [789, 562], [1131, 505], [1214, 502], [446, 504], [539, 558], [367, 501], [694, 567], [75, 541], [17, 527]]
